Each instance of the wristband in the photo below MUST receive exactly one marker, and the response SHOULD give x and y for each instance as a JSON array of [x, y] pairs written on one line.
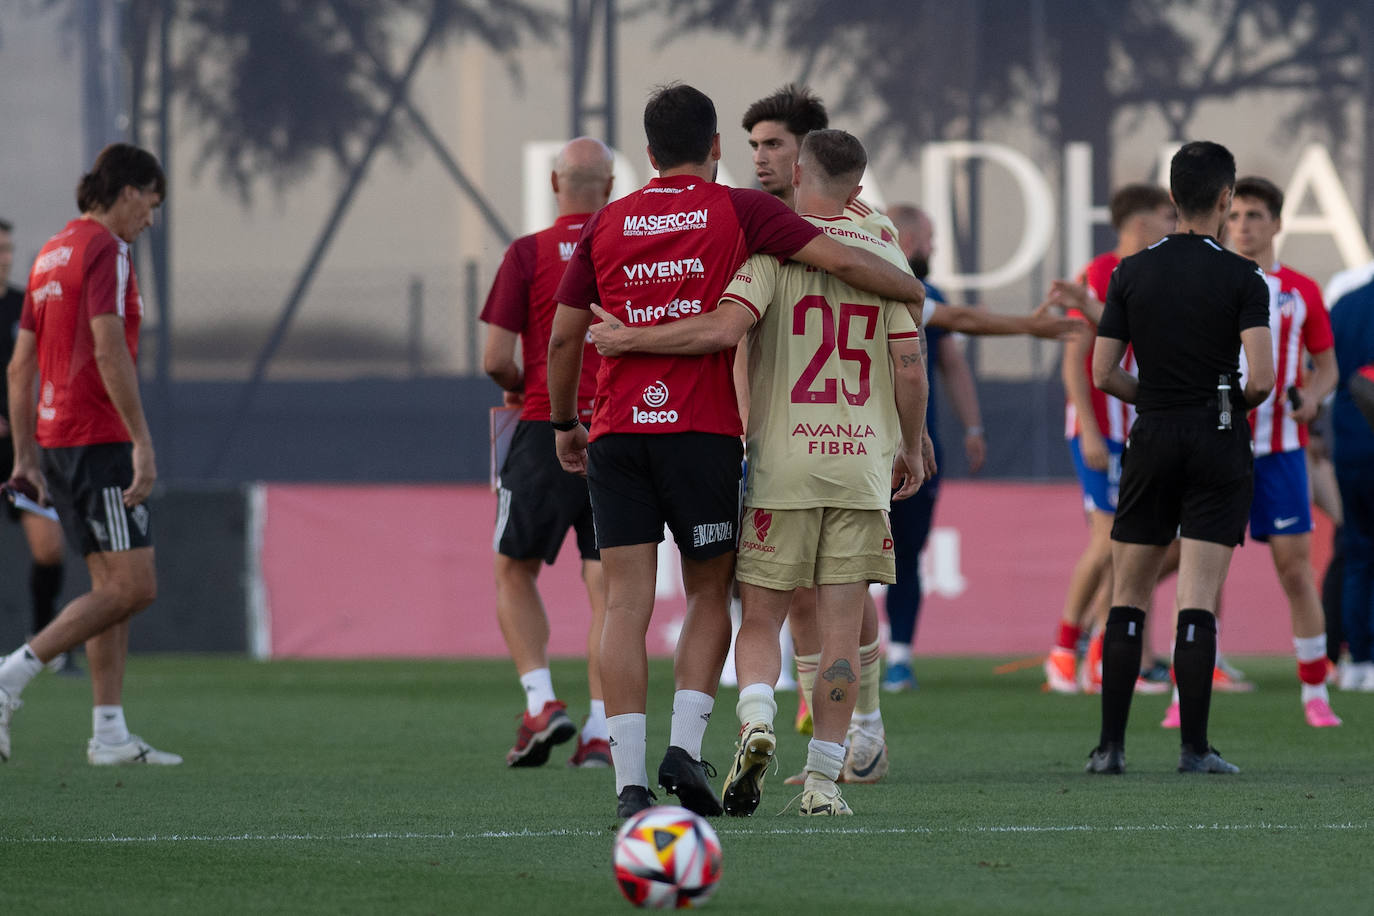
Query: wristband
[[973, 431], [564, 426]]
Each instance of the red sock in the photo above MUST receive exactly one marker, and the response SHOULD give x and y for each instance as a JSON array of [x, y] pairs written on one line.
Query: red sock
[[1313, 672], [1068, 636]]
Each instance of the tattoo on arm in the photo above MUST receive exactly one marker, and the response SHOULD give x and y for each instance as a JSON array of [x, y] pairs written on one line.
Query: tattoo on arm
[[910, 359]]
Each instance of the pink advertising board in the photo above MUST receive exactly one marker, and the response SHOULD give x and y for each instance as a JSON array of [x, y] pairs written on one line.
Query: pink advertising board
[[360, 571]]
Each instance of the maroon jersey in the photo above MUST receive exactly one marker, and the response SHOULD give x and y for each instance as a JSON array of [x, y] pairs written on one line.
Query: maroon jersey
[[521, 301], [663, 253], [82, 272]]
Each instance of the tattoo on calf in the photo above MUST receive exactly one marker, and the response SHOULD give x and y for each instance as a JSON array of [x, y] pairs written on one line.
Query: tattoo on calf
[[840, 670], [837, 695]]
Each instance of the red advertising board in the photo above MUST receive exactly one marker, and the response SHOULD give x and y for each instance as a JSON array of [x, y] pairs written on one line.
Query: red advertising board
[[357, 571]]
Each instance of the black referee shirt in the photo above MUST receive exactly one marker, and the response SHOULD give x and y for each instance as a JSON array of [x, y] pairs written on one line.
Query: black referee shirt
[[1181, 305]]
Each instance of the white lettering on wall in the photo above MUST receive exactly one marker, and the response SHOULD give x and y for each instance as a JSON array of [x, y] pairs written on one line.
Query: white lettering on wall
[[1316, 174], [937, 160], [1314, 183]]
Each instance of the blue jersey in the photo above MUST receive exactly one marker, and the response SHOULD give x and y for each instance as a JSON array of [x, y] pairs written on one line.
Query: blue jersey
[[933, 338], [1352, 324]]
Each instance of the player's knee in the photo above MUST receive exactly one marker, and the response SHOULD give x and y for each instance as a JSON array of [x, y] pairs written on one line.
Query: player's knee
[[1295, 576], [512, 573], [139, 592]]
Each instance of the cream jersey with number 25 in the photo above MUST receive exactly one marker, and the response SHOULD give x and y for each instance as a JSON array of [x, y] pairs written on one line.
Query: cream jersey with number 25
[[823, 425]]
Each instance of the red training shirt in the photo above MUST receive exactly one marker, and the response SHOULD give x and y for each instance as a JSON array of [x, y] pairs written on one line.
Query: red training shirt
[[81, 272], [521, 301], [666, 252]]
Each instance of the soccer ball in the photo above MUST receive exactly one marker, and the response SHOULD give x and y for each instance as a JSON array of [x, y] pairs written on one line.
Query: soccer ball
[[666, 858]]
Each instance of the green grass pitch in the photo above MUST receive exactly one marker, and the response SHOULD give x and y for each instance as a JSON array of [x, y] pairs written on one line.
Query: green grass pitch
[[380, 787]]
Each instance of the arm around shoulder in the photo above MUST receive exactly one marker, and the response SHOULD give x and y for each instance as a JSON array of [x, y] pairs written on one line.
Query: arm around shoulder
[[862, 269]]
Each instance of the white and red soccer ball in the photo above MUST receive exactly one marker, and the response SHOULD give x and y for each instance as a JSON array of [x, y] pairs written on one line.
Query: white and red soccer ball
[[666, 858]]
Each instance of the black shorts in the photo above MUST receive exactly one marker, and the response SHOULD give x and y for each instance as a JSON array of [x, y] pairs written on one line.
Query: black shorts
[[687, 481], [1180, 475], [538, 501], [86, 485], [6, 465]]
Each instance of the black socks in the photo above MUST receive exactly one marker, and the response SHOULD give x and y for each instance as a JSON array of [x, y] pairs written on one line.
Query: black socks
[[45, 584], [1122, 643], [1195, 657]]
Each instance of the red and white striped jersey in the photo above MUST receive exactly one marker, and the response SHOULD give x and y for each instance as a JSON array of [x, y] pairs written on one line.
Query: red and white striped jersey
[[1297, 322], [1114, 416]]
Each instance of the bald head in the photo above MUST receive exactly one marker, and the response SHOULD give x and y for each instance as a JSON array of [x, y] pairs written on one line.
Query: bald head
[[582, 175], [915, 235]]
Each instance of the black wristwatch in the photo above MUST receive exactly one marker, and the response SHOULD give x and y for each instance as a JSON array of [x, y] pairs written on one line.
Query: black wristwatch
[[564, 426]]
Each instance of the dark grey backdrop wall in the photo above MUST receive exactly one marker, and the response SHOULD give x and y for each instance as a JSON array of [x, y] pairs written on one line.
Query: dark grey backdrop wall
[[435, 430], [200, 536]]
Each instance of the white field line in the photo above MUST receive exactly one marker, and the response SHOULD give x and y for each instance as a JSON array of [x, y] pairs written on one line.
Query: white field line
[[776, 831]]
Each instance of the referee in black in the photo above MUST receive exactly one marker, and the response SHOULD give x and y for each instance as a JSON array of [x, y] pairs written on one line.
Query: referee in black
[[1187, 306]]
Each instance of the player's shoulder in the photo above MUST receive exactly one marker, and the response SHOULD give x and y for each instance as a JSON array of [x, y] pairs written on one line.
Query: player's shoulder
[[847, 230], [1098, 272], [1104, 263], [1348, 281], [873, 221], [751, 199], [1301, 282]]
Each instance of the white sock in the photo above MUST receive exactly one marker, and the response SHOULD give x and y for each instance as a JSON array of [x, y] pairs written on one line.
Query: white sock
[[691, 714], [785, 679], [871, 722], [595, 726], [1175, 699], [756, 705], [18, 668], [825, 758], [899, 653], [538, 686], [728, 677], [108, 726], [627, 750], [1309, 649], [1315, 692]]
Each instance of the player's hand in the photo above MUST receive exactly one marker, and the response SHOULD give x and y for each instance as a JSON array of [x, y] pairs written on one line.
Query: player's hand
[[28, 481], [1068, 295], [1094, 450], [928, 455], [1306, 411], [905, 480], [976, 450], [512, 399], [609, 333], [572, 449], [1043, 323], [145, 475]]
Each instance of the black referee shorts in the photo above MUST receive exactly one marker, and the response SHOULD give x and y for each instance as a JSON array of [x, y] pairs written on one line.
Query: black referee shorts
[[688, 481], [538, 501], [1180, 475]]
